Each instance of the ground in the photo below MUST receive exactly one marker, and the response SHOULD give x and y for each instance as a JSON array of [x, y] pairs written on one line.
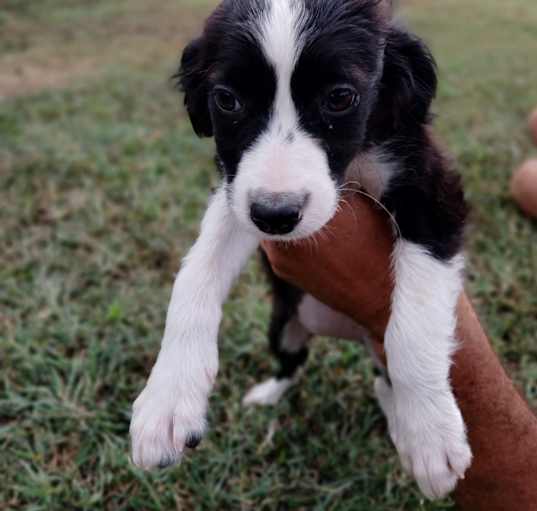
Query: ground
[[102, 186]]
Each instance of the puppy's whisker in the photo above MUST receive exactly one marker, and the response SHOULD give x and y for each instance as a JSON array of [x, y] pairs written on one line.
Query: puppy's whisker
[[345, 202], [376, 201]]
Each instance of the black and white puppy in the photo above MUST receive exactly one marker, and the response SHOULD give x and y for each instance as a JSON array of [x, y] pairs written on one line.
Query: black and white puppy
[[303, 98]]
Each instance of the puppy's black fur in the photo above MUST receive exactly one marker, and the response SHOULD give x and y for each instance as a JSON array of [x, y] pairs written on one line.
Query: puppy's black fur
[[427, 198], [285, 301]]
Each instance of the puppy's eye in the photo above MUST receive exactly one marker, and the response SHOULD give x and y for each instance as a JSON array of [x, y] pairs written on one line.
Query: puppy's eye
[[227, 101], [341, 99]]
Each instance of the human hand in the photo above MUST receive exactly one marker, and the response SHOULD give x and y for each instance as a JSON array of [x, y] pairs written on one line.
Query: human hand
[[347, 265]]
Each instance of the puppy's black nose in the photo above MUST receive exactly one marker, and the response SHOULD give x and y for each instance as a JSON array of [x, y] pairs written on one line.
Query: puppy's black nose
[[275, 220], [277, 213]]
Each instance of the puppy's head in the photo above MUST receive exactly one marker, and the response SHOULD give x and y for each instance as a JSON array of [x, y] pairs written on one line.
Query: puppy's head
[[290, 89]]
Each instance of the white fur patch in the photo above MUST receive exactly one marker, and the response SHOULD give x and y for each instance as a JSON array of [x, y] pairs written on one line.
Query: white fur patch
[[274, 164], [282, 46], [322, 320], [173, 405], [319, 319], [294, 336], [267, 393], [373, 171], [424, 420]]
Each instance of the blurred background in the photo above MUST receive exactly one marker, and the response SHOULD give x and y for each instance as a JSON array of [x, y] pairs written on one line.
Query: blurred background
[[102, 186]]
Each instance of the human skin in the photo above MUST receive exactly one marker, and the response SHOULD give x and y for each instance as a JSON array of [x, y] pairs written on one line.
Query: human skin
[[348, 267]]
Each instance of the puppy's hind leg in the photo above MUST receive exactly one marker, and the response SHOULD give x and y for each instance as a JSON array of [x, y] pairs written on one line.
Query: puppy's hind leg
[[288, 339]]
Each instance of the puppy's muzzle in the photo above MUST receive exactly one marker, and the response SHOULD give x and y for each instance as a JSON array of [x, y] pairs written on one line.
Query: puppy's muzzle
[[277, 213]]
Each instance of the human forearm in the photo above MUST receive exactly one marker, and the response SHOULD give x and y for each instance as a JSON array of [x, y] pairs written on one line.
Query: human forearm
[[501, 427], [351, 272]]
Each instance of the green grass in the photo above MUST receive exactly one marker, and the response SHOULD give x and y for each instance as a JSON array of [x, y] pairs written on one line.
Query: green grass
[[102, 186]]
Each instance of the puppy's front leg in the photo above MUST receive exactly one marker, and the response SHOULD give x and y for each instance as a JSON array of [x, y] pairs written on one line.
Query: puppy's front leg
[[424, 419], [169, 414]]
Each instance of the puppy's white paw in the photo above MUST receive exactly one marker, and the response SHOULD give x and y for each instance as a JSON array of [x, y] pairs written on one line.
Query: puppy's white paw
[[267, 393], [165, 421], [430, 438]]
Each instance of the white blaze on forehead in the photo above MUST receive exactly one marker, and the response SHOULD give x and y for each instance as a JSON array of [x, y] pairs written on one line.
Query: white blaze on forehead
[[281, 43]]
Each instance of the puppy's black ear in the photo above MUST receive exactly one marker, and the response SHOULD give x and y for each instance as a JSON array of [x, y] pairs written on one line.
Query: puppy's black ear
[[192, 80], [408, 84]]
